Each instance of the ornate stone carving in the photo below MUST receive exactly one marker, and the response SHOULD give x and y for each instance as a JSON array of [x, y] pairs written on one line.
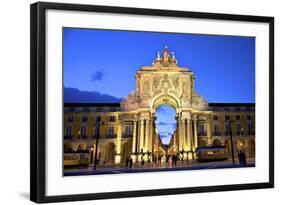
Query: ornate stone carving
[[175, 80], [156, 81], [146, 87]]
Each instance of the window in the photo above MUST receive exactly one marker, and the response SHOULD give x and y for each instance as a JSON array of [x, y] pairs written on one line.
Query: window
[[216, 128], [201, 129], [84, 118], [250, 127], [216, 117], [227, 128], [98, 118], [238, 126], [128, 130], [110, 131], [83, 131], [70, 118], [227, 117], [111, 118], [237, 117], [68, 131]]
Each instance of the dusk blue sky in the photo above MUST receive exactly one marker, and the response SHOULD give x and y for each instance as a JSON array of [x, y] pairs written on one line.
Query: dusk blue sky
[[100, 65]]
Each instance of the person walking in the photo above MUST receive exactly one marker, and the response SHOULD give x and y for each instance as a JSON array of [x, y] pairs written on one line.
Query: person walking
[[142, 162], [242, 158], [131, 163], [244, 161], [127, 162]]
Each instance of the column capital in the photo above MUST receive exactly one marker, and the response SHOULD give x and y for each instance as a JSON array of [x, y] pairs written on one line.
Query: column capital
[[142, 119], [194, 118], [208, 120]]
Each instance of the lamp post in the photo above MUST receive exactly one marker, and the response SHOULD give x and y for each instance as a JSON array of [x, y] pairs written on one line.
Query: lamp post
[[231, 142], [92, 151], [97, 133]]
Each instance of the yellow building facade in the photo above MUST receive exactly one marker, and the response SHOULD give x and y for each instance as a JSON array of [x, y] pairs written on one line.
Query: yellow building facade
[[127, 129]]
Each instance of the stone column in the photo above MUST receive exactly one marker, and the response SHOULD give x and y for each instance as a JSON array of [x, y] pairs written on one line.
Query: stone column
[[176, 141], [184, 134], [151, 134], [118, 143], [141, 137], [191, 135], [188, 136], [180, 134], [209, 137], [134, 141], [195, 133], [147, 135], [189, 149]]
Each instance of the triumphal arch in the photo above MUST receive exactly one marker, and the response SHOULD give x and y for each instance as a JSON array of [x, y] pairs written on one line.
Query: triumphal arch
[[165, 83], [118, 131]]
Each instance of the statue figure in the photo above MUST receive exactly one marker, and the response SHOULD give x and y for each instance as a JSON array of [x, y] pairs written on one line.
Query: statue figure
[[166, 54], [158, 56]]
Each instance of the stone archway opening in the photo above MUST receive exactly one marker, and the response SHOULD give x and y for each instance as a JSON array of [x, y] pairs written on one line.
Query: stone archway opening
[[166, 123], [126, 151], [109, 153], [217, 143]]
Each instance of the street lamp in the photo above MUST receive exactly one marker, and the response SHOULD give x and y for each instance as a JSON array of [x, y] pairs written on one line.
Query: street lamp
[[79, 135], [91, 161], [231, 142], [97, 134]]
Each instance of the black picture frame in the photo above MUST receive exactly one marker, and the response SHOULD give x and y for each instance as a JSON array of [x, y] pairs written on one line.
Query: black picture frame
[[38, 109]]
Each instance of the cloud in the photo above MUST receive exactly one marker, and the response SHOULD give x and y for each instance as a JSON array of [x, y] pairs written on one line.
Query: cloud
[[165, 134], [74, 95], [97, 76], [174, 125], [162, 123], [161, 110]]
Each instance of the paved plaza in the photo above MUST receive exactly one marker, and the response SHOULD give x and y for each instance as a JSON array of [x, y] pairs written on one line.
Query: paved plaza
[[153, 167]]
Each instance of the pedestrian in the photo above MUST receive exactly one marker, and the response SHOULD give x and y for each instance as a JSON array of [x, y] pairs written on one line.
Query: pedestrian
[[242, 158], [244, 161], [159, 159], [176, 158], [127, 162], [142, 162], [131, 163]]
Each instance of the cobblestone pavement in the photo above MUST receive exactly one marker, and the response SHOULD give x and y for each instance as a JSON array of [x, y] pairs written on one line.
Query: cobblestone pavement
[[154, 167]]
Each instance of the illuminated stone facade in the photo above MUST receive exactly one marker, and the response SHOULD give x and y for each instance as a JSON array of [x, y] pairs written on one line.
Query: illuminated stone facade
[[128, 129]]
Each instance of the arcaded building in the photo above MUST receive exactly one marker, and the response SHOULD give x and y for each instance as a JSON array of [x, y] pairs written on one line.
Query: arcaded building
[[128, 129]]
